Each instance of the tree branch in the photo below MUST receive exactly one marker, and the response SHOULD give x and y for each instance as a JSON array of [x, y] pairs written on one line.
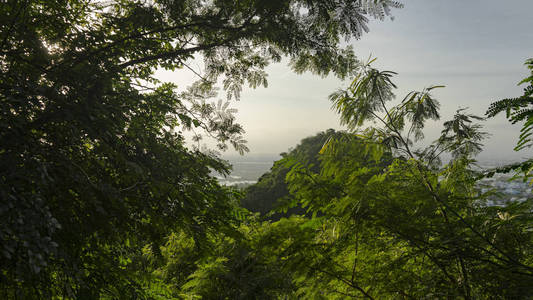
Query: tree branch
[[175, 53]]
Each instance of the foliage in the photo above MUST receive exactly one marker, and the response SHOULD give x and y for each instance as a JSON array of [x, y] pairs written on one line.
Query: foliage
[[410, 227], [249, 265], [382, 218], [93, 163], [102, 198], [518, 109]]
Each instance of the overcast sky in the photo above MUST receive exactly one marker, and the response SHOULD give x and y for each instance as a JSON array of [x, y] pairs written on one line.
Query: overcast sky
[[476, 48]]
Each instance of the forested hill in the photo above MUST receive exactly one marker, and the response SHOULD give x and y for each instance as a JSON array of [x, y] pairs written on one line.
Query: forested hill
[[271, 196], [263, 196]]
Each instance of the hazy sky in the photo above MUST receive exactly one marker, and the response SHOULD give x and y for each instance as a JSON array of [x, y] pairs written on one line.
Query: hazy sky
[[476, 48]]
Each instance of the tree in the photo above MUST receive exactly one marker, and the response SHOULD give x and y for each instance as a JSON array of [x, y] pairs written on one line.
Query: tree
[[93, 160], [411, 227]]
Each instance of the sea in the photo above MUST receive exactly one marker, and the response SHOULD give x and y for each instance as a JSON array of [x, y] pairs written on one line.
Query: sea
[[247, 169]]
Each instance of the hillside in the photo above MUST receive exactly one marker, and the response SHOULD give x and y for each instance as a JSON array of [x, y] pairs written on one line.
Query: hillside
[[263, 196]]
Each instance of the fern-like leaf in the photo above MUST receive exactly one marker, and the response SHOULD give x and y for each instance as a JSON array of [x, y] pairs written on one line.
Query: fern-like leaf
[[518, 109]]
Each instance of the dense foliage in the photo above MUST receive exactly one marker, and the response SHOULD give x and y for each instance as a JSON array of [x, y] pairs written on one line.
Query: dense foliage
[[405, 226], [93, 164], [101, 197], [413, 228], [382, 219]]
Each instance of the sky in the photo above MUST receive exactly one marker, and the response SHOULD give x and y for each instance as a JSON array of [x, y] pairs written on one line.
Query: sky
[[476, 48]]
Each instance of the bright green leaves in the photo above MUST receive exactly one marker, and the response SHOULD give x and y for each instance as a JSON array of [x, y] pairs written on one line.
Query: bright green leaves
[[314, 192], [458, 178]]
